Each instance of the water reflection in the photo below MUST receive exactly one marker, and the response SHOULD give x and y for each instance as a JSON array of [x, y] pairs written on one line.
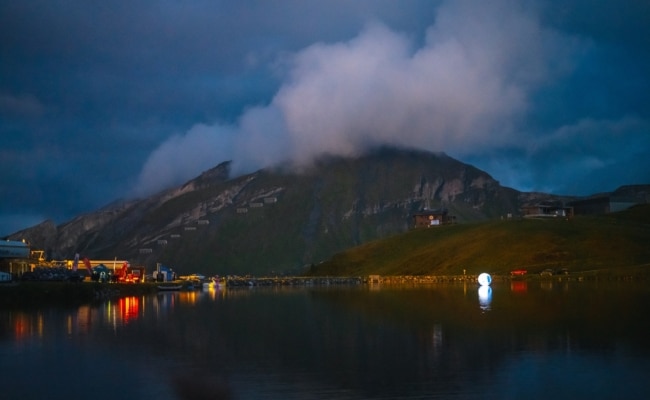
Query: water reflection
[[485, 297], [23, 325], [518, 286], [357, 343], [129, 309]]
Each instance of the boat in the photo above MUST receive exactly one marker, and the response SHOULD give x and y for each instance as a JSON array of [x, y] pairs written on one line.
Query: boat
[[213, 284], [169, 287]]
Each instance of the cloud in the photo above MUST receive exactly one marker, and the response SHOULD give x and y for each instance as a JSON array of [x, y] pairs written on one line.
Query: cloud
[[24, 105], [574, 157], [182, 156], [581, 158], [464, 90]]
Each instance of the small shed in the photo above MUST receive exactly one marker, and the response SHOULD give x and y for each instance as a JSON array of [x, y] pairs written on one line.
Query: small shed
[[544, 210], [430, 218], [602, 204]]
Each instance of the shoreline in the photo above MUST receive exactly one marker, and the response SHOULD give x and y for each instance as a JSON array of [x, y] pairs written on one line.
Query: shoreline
[[30, 294]]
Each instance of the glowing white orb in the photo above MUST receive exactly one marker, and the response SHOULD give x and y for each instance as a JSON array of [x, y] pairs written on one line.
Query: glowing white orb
[[484, 279]]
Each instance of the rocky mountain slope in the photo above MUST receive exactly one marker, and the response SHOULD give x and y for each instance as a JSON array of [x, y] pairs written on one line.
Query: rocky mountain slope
[[280, 220]]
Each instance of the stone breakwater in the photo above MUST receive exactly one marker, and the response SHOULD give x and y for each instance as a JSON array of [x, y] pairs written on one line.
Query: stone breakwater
[[421, 279], [237, 281], [241, 281]]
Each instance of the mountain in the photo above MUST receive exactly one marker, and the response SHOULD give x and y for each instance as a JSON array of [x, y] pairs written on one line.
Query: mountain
[[279, 220]]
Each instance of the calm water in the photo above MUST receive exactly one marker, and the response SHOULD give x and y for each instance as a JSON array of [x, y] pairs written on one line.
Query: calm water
[[534, 341]]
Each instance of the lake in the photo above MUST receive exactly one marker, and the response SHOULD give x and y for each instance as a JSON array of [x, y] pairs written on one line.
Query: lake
[[514, 340]]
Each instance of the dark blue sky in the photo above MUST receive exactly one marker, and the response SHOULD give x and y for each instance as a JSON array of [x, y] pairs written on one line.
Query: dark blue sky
[[105, 101]]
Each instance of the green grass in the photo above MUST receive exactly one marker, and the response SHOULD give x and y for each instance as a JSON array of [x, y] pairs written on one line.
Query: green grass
[[614, 241]]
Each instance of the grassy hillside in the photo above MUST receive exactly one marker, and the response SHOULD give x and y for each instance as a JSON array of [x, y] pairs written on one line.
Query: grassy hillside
[[584, 243]]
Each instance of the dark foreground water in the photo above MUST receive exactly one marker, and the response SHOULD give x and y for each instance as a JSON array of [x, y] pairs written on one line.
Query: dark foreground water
[[548, 340]]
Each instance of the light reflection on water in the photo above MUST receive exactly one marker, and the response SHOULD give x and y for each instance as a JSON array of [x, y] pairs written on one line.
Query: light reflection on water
[[484, 297], [515, 340]]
